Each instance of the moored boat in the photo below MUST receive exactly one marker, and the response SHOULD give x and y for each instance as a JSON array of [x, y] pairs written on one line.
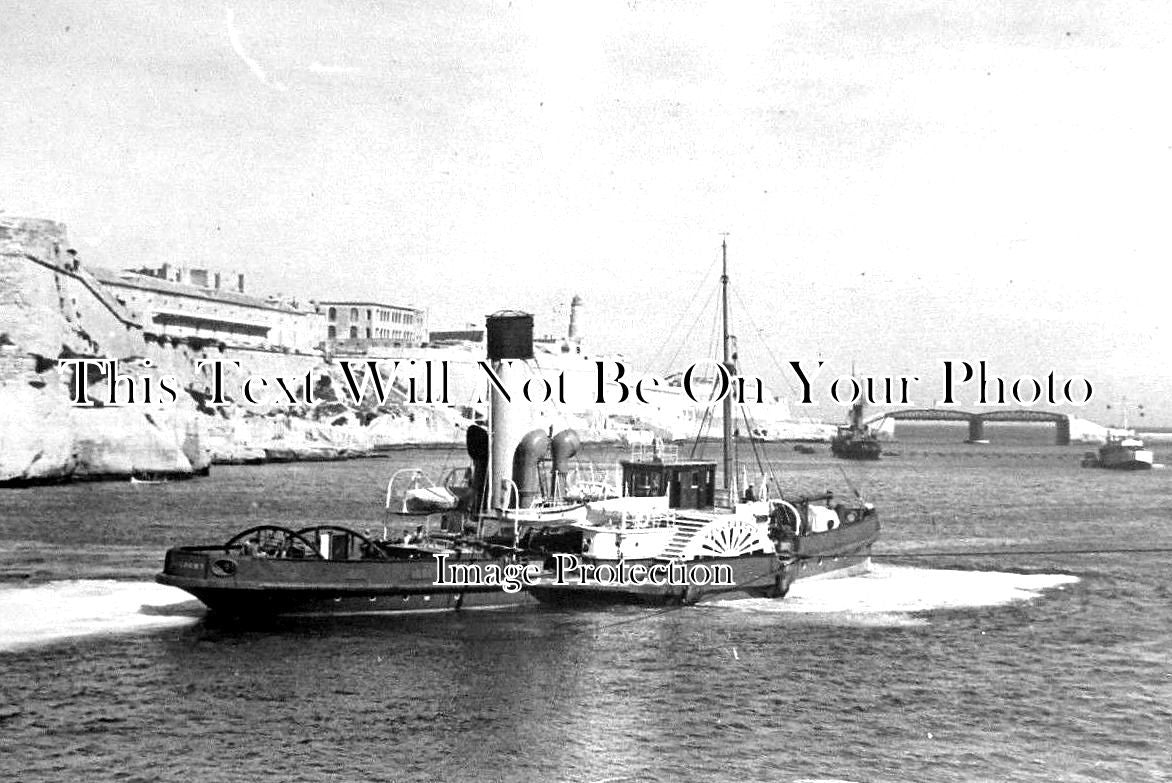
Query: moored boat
[[856, 440]]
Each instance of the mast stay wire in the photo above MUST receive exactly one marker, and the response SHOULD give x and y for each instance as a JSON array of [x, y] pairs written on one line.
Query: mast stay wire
[[682, 313], [760, 334]]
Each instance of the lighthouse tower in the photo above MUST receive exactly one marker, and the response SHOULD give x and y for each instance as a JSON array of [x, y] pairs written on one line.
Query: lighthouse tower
[[575, 334]]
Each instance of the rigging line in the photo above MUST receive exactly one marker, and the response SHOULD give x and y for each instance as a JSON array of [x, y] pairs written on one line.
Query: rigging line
[[744, 411], [999, 552], [683, 341], [704, 424], [708, 419], [849, 483], [716, 346], [757, 453], [687, 308], [760, 333], [546, 405]]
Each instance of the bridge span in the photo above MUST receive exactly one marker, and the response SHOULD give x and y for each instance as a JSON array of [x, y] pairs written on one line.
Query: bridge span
[[976, 421]]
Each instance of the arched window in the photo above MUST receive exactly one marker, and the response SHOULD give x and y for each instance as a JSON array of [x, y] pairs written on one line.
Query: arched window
[[333, 313], [353, 313], [353, 332]]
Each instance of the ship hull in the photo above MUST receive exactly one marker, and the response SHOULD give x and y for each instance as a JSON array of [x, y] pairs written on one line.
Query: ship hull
[[1125, 459], [260, 587], [843, 551], [1133, 464], [859, 450], [765, 576]]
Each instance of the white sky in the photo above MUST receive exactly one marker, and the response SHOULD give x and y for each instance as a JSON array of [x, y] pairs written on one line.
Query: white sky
[[901, 183]]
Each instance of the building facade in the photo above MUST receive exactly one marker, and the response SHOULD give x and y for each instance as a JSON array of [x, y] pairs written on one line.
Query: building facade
[[359, 326], [180, 303]]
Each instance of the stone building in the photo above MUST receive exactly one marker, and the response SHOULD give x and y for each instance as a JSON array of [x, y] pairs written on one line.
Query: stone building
[[359, 326], [180, 303]]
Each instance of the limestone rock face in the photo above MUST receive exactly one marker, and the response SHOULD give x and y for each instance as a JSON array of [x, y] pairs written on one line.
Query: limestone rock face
[[52, 307], [44, 438], [30, 312], [123, 442], [36, 443]]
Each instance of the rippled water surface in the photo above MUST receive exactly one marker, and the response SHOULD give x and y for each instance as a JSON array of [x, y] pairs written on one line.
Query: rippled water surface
[[966, 666]]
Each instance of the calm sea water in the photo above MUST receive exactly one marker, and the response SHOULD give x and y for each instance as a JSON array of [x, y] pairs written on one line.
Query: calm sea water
[[963, 667]]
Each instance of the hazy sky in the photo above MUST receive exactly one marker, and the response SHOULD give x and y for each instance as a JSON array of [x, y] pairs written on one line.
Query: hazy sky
[[902, 183]]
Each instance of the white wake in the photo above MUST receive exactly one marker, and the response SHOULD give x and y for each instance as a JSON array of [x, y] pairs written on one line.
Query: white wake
[[902, 594], [55, 611]]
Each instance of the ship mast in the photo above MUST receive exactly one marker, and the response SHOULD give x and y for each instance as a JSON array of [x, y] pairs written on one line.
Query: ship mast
[[730, 480]]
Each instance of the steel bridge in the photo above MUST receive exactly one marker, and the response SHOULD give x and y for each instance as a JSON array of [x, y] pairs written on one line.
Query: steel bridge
[[976, 421]]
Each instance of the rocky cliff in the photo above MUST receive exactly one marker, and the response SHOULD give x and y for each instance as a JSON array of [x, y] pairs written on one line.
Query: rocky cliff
[[52, 308]]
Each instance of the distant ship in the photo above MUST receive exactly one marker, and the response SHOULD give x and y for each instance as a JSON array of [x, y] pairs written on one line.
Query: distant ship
[[1120, 452], [855, 441]]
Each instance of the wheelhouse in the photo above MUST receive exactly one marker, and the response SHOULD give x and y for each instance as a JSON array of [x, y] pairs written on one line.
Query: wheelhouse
[[687, 485]]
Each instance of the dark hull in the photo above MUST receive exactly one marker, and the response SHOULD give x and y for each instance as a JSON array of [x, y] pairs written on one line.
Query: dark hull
[[856, 449], [842, 549], [1132, 465], [764, 576], [756, 576], [1123, 460], [269, 602], [270, 587]]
